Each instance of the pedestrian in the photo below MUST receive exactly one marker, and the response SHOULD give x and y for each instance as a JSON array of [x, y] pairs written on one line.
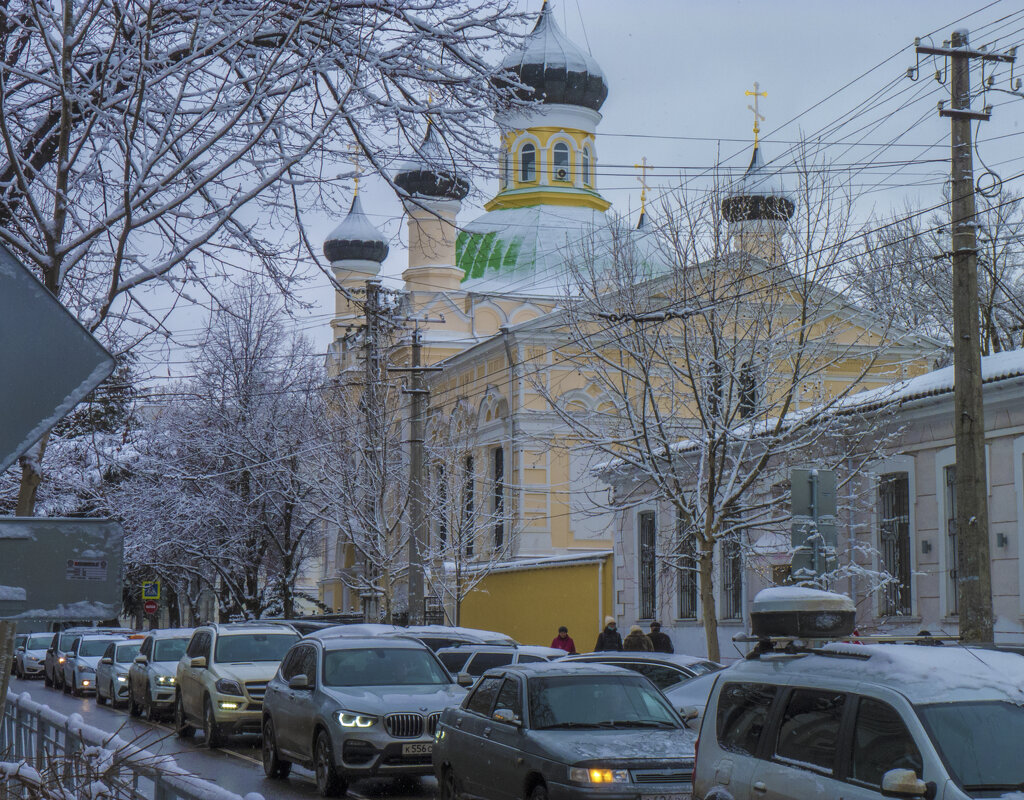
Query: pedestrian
[[564, 641], [636, 640], [609, 638], [660, 641]]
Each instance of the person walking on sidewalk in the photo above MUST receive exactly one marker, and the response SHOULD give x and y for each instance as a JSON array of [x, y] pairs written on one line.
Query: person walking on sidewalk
[[660, 641], [636, 641], [609, 638], [564, 641]]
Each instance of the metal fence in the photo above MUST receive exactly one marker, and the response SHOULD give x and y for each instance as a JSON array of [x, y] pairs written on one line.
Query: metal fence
[[46, 754]]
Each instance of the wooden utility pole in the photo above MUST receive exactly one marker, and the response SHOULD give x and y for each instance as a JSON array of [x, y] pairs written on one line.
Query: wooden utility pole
[[974, 575]]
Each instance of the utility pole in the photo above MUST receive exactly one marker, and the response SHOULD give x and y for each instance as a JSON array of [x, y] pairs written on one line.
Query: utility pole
[[974, 574], [372, 410], [417, 499]]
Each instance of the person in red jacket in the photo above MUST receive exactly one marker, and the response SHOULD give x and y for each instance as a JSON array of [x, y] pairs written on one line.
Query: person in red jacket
[[564, 641]]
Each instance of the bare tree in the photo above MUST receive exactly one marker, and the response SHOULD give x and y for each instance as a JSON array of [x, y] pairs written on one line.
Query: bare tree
[[150, 143], [223, 496], [717, 370]]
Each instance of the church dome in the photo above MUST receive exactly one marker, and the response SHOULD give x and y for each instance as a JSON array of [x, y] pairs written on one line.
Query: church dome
[[431, 173], [759, 195], [556, 69], [356, 238]]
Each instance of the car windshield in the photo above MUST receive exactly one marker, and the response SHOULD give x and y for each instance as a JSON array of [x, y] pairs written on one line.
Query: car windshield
[[598, 701], [169, 649], [703, 667], [126, 652], [239, 647], [382, 666], [91, 648], [67, 641], [979, 742], [38, 641]]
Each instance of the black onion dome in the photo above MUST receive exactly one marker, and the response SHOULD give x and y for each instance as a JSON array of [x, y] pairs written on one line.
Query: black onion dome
[[356, 238], [432, 172], [555, 68], [759, 195]]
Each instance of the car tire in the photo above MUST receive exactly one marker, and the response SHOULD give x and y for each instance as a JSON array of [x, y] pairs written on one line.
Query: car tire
[[447, 788], [100, 699], [212, 737], [133, 707], [47, 681], [17, 670], [146, 708], [540, 792], [273, 765], [64, 686], [328, 782], [181, 725]]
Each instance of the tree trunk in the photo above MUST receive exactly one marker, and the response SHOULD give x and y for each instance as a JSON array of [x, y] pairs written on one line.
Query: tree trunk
[[31, 477], [709, 615]]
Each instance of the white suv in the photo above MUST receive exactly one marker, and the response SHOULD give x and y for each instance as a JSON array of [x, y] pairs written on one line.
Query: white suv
[[864, 721]]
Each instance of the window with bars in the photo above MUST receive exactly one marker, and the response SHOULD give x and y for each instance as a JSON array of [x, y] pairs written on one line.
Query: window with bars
[[952, 543], [687, 572], [731, 557], [442, 505], [468, 505], [498, 500], [747, 405], [894, 541], [647, 542]]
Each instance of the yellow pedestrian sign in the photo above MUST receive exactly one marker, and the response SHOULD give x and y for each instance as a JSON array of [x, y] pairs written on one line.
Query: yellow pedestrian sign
[[151, 590]]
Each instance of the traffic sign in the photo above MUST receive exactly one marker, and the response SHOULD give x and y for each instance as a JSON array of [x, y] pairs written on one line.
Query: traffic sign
[[150, 606], [48, 360], [151, 590]]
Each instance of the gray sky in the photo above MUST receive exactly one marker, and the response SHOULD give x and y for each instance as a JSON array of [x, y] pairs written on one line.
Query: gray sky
[[677, 71]]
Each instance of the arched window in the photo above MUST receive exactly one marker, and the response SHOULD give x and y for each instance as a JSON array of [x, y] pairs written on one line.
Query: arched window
[[587, 178], [528, 163], [561, 162]]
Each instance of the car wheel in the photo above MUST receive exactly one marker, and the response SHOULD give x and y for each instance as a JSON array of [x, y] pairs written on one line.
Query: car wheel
[[328, 782], [447, 787], [47, 680], [273, 765], [181, 726], [540, 792], [100, 699], [17, 671], [64, 686], [133, 707], [212, 737], [147, 708]]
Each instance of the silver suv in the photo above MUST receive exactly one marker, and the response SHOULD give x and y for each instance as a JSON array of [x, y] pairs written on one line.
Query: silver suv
[[152, 676], [223, 676], [78, 672], [349, 706]]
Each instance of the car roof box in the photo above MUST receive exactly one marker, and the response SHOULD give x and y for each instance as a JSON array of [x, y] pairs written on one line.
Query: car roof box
[[798, 612]]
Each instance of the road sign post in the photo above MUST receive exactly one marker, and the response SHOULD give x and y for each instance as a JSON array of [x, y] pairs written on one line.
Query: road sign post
[[150, 607], [151, 590]]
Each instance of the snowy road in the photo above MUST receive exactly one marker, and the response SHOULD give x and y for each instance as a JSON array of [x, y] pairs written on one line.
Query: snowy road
[[237, 767]]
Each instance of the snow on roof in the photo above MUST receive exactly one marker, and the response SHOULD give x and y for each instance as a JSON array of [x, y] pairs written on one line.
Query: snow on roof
[[540, 562]]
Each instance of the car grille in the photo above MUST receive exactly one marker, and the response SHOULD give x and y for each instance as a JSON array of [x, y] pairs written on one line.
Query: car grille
[[432, 721], [682, 774], [256, 690], [404, 726]]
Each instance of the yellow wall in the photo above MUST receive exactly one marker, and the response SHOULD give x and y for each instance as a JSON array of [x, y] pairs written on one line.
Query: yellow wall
[[530, 604]]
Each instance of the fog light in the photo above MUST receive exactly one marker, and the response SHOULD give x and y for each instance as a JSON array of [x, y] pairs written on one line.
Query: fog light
[[226, 706], [85, 683]]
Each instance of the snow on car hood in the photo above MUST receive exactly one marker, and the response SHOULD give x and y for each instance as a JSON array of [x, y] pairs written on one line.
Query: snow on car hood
[[391, 699], [618, 745]]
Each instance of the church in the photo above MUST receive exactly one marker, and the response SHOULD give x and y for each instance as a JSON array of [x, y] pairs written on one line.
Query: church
[[489, 295]]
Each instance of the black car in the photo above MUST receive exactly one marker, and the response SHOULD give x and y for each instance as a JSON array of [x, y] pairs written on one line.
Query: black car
[[664, 669], [563, 731]]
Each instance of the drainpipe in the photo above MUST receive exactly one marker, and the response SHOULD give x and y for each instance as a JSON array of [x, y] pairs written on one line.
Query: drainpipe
[[513, 411]]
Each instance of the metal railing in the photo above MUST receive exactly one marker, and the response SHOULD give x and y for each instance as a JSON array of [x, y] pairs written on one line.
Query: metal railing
[[46, 754]]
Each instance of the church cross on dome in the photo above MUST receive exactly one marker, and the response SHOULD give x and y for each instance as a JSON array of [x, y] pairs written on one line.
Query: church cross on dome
[[354, 154], [643, 166], [758, 117]]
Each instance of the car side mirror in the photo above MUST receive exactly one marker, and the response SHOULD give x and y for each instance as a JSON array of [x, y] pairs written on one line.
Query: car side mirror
[[506, 715], [20, 648], [106, 660], [141, 659], [464, 679], [199, 662], [299, 682], [904, 783], [689, 714]]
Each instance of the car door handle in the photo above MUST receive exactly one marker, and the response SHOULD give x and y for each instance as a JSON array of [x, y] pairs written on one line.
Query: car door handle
[[759, 786], [487, 732], [458, 723]]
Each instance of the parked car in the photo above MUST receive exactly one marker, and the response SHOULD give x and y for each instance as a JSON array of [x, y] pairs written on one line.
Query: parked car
[[60, 644], [664, 669], [112, 671], [152, 675], [565, 731], [438, 636], [473, 660], [30, 656], [352, 707], [223, 676], [78, 672]]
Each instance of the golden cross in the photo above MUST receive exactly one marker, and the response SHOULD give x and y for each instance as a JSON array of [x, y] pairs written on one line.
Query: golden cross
[[643, 166], [355, 163], [758, 118]]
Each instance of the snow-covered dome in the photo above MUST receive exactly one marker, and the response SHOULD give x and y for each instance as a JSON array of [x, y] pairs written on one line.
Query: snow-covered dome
[[556, 69], [759, 195], [356, 238], [432, 173], [526, 251]]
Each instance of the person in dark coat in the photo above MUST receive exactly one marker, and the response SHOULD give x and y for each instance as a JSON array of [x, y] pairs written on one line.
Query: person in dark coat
[[609, 638], [660, 641], [636, 640], [564, 641]]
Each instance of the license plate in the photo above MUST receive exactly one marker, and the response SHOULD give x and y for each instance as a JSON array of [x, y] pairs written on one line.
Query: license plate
[[673, 796], [421, 749]]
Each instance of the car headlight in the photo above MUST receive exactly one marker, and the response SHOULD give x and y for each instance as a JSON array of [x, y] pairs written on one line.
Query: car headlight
[[352, 719], [84, 668], [32, 659], [61, 659], [122, 679], [598, 775], [165, 680], [226, 686]]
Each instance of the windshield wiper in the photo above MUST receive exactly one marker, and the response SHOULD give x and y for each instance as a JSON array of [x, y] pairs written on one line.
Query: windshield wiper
[[995, 787], [635, 723], [570, 725]]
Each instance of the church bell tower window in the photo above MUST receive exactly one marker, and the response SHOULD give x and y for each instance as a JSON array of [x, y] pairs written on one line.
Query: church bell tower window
[[561, 162], [588, 179], [528, 163]]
